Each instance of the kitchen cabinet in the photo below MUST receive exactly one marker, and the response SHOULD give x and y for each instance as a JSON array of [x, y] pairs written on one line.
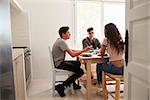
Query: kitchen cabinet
[[19, 25], [19, 75]]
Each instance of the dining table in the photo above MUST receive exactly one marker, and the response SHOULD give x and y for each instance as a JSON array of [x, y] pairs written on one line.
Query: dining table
[[88, 59]]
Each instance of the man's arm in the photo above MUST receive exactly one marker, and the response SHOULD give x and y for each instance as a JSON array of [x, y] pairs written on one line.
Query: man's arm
[[103, 48], [75, 53], [75, 50], [84, 43], [98, 44]]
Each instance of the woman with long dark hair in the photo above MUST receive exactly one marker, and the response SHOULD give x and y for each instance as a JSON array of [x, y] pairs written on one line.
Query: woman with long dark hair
[[114, 45]]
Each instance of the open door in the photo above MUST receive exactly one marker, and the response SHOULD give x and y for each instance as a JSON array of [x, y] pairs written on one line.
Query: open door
[[137, 77]]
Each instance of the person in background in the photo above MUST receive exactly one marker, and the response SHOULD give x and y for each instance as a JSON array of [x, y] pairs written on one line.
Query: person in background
[[91, 41], [115, 48], [59, 50]]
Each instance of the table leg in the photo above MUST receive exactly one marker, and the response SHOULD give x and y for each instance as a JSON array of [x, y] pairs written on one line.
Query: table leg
[[88, 65]]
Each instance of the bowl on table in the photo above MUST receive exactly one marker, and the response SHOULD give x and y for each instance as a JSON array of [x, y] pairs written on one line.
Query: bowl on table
[[86, 54]]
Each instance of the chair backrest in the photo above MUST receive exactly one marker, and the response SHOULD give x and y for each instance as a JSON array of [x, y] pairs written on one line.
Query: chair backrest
[[51, 57]]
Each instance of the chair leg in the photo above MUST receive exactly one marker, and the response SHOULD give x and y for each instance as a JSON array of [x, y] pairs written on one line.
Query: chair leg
[[78, 82], [117, 90], [71, 87], [105, 95], [53, 84]]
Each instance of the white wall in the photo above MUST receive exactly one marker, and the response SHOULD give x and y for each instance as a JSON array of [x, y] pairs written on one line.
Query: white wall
[[45, 18]]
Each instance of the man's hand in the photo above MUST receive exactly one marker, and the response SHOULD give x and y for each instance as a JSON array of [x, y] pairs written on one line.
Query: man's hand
[[76, 53], [87, 48]]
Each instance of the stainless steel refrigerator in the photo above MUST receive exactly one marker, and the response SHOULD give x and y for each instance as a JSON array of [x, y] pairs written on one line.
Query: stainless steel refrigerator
[[7, 90]]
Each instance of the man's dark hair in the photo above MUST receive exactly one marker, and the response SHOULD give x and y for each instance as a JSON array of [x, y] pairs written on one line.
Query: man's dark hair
[[63, 29], [90, 29]]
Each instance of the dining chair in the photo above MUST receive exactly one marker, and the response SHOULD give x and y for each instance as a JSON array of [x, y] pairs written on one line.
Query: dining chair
[[58, 72], [111, 77]]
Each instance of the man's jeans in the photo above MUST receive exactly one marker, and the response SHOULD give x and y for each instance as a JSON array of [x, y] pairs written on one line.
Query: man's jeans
[[73, 66]]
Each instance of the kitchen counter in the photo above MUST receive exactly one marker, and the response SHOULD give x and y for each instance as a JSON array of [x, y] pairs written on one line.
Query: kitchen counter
[[19, 74]]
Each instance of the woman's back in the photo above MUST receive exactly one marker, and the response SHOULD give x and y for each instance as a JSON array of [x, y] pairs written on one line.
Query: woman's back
[[114, 55]]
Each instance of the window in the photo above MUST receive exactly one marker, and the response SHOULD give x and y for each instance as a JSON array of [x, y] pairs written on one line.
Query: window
[[115, 13], [96, 14], [88, 15]]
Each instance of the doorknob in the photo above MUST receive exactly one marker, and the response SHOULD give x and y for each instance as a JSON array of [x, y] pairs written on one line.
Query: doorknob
[[126, 47]]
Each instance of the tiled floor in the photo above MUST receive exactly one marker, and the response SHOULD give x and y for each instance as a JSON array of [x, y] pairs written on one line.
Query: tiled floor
[[41, 90]]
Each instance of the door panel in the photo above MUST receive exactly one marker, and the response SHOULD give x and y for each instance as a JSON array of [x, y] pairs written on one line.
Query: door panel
[[140, 40], [134, 3], [137, 78], [136, 85]]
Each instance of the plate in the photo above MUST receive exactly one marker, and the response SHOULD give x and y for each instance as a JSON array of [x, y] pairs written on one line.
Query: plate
[[86, 54]]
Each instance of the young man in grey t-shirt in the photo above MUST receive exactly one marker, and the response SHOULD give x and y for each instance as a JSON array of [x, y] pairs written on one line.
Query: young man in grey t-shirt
[[59, 51]]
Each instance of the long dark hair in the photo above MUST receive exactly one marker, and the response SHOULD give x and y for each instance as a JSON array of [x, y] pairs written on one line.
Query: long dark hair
[[114, 37]]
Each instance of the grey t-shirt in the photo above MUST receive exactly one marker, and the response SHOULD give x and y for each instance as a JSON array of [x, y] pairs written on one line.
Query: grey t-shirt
[[58, 51]]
